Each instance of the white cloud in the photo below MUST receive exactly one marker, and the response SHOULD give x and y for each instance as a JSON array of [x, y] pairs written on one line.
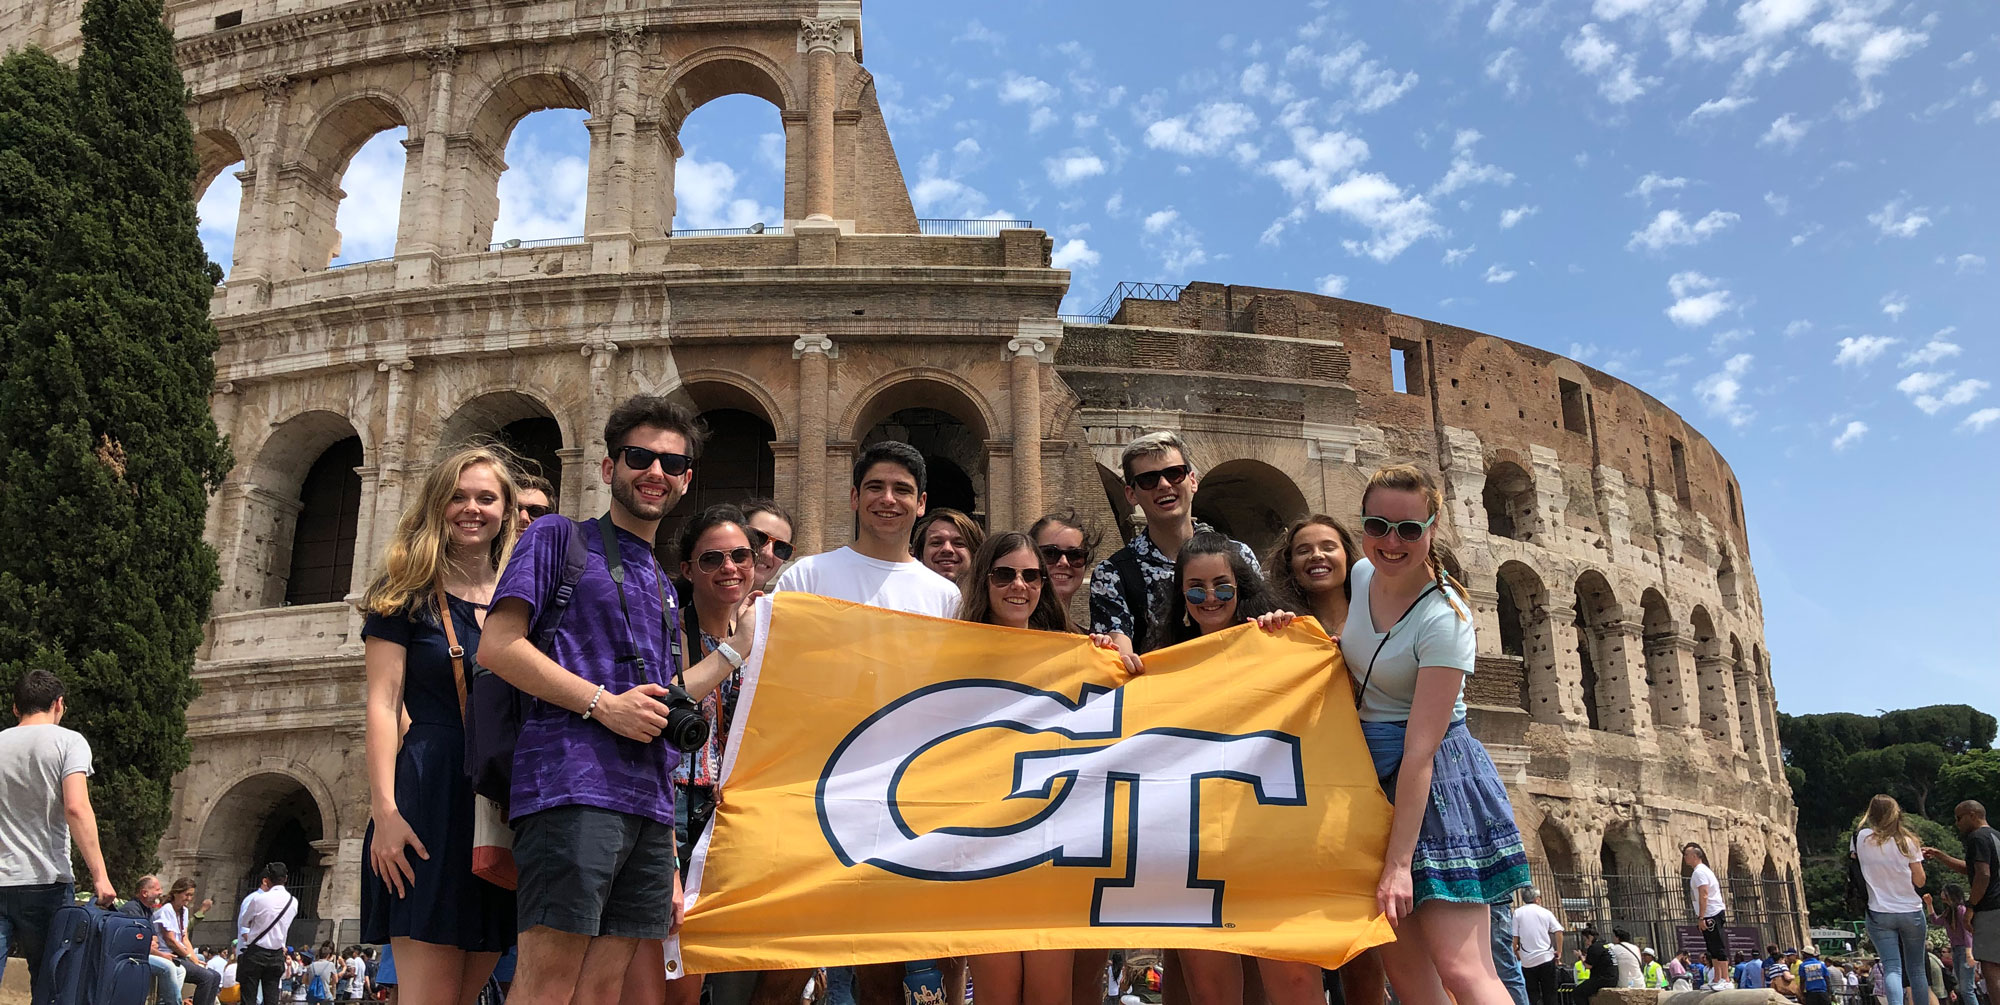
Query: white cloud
[[1786, 131], [1724, 105], [1206, 130], [373, 182], [1161, 219], [1016, 89], [1933, 351], [1177, 244], [1497, 273], [1893, 222], [1779, 204], [1041, 118], [1510, 217], [1853, 433], [1894, 304], [1331, 285], [1991, 113], [979, 33], [1969, 263], [542, 193], [1073, 166], [1863, 350], [1505, 69], [1669, 228], [1616, 71], [1466, 169], [1978, 421], [939, 192], [1654, 182], [1395, 221], [1698, 299], [1766, 18], [1920, 384], [1453, 256], [1722, 390], [1320, 158], [1851, 34], [1372, 86], [1075, 253]]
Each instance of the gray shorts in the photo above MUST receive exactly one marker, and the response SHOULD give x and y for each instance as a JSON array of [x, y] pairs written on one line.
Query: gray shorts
[[1986, 936], [596, 872]]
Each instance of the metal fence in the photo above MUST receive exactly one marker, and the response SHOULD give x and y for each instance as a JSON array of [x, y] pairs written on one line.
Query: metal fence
[[1654, 907], [753, 229], [545, 242], [1134, 291], [970, 228]]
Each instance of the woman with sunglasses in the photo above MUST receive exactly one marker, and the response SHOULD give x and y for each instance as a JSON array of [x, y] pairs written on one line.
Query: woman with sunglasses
[[1215, 589], [718, 570], [1066, 548], [765, 517], [1007, 584], [1453, 847]]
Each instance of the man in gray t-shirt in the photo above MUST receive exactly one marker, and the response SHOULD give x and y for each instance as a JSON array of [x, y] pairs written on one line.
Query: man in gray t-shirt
[[44, 801], [325, 971]]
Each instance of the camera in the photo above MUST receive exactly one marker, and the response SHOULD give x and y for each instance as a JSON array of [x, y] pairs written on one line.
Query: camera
[[686, 729]]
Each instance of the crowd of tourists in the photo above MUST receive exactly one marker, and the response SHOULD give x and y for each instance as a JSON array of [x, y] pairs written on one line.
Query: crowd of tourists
[[486, 590]]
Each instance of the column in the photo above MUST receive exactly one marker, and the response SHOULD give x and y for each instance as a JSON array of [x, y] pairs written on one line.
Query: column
[[595, 496], [418, 265], [1670, 662], [257, 253], [1767, 699], [391, 466], [614, 219], [223, 403], [814, 353], [1619, 679], [1568, 669], [1750, 715], [1025, 406], [1718, 696], [820, 39]]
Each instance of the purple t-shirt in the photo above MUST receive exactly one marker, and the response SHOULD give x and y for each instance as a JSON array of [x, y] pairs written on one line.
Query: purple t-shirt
[[563, 760]]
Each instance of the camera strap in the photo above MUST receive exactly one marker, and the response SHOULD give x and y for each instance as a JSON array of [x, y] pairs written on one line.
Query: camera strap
[[614, 563]]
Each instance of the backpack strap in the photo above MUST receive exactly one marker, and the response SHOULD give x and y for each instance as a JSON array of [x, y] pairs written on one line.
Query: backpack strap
[[575, 557], [1132, 587]]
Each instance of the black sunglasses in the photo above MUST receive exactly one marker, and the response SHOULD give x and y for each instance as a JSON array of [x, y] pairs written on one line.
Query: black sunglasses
[[1147, 481], [779, 547], [1075, 556], [535, 512], [712, 560], [1004, 575], [640, 459]]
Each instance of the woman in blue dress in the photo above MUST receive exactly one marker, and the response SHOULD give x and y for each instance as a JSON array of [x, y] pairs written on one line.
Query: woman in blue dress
[[418, 893]]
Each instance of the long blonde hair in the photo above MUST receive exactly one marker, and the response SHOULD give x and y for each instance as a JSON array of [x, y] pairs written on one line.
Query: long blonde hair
[[1410, 478], [416, 554], [1885, 819]]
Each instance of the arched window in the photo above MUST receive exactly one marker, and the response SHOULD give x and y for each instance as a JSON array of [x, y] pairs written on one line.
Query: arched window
[[542, 194], [736, 464], [729, 172], [1725, 578], [1525, 633], [265, 818], [956, 459], [322, 567], [1711, 675], [218, 195], [1250, 501], [1663, 669], [536, 440], [366, 222], [1509, 498]]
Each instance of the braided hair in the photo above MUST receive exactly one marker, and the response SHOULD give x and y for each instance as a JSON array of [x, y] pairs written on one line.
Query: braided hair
[[1410, 478]]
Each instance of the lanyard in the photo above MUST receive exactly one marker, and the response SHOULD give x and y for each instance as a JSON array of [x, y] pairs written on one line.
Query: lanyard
[[615, 564], [1385, 641]]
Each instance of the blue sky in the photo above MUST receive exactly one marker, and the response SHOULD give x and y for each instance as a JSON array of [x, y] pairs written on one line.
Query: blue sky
[[1777, 216]]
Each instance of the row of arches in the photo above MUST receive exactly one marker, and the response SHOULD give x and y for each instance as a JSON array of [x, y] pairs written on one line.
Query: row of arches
[[1625, 886]]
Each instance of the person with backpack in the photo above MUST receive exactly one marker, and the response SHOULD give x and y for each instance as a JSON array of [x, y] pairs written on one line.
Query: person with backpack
[[321, 978], [1130, 590], [592, 800], [44, 803], [421, 620]]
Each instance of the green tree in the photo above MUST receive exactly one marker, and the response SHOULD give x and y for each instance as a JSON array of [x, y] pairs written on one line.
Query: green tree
[[107, 450], [1906, 771], [1974, 775], [1956, 728]]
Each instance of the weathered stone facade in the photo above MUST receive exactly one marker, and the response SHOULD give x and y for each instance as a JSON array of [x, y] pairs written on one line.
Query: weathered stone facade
[[1624, 687]]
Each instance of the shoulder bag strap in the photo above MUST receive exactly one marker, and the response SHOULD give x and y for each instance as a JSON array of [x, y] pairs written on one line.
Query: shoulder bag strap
[[1132, 586], [452, 647], [280, 916]]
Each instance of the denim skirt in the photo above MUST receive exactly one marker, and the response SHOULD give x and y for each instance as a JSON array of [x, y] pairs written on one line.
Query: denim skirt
[[1469, 850]]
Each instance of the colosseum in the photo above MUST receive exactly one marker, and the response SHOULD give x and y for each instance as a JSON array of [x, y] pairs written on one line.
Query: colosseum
[[1624, 687]]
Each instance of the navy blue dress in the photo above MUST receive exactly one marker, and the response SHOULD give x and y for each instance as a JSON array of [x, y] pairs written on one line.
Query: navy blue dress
[[447, 905]]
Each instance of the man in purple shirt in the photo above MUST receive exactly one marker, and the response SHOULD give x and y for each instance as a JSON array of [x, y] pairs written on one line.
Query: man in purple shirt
[[592, 802]]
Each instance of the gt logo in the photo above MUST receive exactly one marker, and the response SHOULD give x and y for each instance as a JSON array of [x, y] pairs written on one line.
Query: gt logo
[[1162, 771]]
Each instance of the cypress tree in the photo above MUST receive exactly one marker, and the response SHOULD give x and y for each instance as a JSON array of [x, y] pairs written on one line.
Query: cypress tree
[[110, 452]]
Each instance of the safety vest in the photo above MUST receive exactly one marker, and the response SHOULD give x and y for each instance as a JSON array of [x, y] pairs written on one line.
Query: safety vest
[[1656, 976], [1582, 972]]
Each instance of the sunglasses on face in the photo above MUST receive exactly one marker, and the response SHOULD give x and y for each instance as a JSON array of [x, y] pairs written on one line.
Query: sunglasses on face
[[535, 512], [1054, 555], [1408, 530], [1004, 575], [712, 560], [1225, 593], [760, 540], [1147, 481], [640, 459]]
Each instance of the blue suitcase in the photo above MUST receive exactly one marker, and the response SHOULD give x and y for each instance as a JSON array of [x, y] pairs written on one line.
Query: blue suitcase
[[95, 957]]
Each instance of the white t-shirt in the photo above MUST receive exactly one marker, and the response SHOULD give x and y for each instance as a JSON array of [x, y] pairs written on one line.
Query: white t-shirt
[[1433, 634], [1887, 870], [846, 574], [229, 975], [1631, 966], [1536, 927], [169, 921], [1704, 876]]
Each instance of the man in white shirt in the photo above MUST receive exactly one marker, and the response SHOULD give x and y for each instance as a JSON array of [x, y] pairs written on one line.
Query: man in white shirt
[[888, 496], [1631, 959], [1538, 941], [262, 922], [1706, 896]]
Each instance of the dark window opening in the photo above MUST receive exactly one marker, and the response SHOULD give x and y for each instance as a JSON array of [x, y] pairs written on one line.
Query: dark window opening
[[1406, 363], [323, 539], [229, 20], [1512, 631], [1735, 508], [1680, 461], [736, 465], [1583, 646], [536, 441], [1572, 406]]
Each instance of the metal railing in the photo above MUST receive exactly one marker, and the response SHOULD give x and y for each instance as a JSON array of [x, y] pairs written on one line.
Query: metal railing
[[970, 228], [542, 242], [1134, 291], [753, 229], [366, 261], [1654, 907]]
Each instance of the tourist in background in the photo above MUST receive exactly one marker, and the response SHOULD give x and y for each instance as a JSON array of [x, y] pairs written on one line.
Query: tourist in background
[[1066, 547], [1892, 865], [1409, 640], [417, 887], [1596, 970], [1705, 893], [534, 497], [1538, 944], [1955, 918], [1007, 584], [170, 923], [773, 539], [1981, 866], [167, 975], [944, 541]]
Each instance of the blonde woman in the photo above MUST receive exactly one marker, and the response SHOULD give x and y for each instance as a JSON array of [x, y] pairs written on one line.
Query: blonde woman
[[418, 893], [1892, 864]]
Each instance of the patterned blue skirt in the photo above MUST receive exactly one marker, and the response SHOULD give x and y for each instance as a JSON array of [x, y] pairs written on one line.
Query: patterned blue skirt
[[1469, 850]]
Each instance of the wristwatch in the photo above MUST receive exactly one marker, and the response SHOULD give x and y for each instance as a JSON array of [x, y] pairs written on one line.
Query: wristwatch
[[730, 655]]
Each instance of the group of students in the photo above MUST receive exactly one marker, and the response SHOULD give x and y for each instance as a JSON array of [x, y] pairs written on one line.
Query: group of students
[[604, 814]]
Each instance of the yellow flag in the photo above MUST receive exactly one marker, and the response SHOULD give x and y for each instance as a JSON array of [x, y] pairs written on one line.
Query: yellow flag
[[900, 787]]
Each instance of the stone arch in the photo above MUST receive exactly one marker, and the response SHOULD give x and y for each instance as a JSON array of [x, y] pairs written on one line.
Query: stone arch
[[1710, 674], [1630, 882], [1740, 889], [721, 70], [1563, 884], [1509, 499], [345, 124], [519, 420], [912, 387], [1250, 501], [268, 814], [312, 192], [1597, 612], [312, 453], [708, 389], [941, 415], [737, 462], [475, 203], [1666, 684], [215, 148], [1525, 632]]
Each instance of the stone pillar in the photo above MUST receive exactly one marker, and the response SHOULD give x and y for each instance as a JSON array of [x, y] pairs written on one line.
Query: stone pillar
[[612, 238], [820, 38], [1749, 712], [222, 404], [1025, 405], [1619, 679], [575, 475], [417, 266], [359, 575], [1568, 676], [256, 254], [1670, 662], [594, 495], [391, 465], [1718, 697], [1768, 700], [814, 353]]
